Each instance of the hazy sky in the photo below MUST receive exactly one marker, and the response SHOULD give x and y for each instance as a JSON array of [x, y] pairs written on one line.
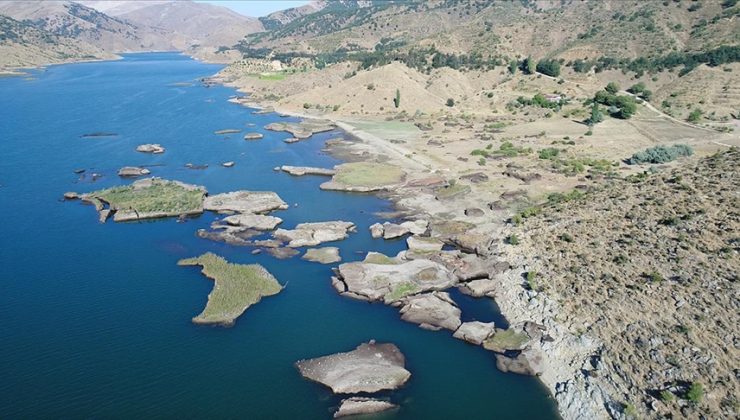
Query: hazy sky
[[256, 8]]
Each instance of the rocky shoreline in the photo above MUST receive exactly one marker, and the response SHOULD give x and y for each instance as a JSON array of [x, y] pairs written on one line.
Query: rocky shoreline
[[561, 357]]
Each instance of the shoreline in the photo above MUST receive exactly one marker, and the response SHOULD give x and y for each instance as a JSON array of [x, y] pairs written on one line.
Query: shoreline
[[576, 395]]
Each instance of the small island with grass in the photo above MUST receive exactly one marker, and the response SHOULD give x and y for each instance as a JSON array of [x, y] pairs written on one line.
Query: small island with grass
[[236, 288]]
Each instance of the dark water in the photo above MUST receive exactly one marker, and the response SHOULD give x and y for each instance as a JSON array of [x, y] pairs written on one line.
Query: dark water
[[95, 318]]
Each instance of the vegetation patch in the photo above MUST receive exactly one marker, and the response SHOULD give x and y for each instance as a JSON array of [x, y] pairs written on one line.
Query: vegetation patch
[[402, 290], [377, 258], [368, 174], [236, 288], [506, 340], [661, 154]]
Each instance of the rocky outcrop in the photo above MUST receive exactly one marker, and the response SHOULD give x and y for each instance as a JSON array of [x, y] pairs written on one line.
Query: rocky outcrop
[[150, 148], [379, 277], [391, 230], [432, 311], [228, 164], [307, 170], [245, 202], [362, 406], [227, 131], [253, 136], [364, 177], [312, 234], [479, 288], [133, 171], [475, 332], [252, 221], [422, 244], [325, 255], [304, 129], [528, 362], [369, 368]]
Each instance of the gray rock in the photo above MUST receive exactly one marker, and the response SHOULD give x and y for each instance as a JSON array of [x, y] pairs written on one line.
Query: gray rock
[[325, 255], [479, 288], [253, 136], [312, 234], [423, 244], [133, 171], [150, 148], [528, 362], [475, 332], [476, 177], [307, 170], [252, 221], [432, 311], [392, 230], [245, 202], [388, 279], [369, 368], [358, 406], [71, 195], [474, 212], [376, 230], [228, 164]]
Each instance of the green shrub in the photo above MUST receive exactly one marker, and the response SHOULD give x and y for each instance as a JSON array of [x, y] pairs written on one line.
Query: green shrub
[[612, 88], [513, 239], [695, 116], [660, 154], [667, 396], [549, 67], [549, 153], [695, 393], [450, 102], [397, 99]]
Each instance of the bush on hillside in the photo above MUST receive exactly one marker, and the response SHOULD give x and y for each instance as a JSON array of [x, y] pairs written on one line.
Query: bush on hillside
[[660, 154], [549, 67]]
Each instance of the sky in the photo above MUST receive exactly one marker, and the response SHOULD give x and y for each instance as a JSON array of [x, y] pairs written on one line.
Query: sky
[[256, 8]]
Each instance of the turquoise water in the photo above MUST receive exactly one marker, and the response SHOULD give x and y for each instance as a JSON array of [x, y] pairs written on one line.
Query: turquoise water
[[95, 318]]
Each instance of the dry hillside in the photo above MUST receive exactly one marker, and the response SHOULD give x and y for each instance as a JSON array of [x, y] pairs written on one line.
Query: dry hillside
[[649, 265]]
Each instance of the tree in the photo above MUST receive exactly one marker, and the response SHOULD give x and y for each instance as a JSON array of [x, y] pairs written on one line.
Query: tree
[[450, 102], [397, 99], [596, 115], [612, 88], [512, 66], [695, 116], [529, 65], [549, 67], [627, 107], [637, 88]]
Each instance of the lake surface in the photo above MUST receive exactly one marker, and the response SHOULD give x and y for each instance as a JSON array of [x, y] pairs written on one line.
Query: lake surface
[[95, 318]]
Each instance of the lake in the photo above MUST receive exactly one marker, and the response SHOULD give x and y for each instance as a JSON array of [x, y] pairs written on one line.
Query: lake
[[96, 318]]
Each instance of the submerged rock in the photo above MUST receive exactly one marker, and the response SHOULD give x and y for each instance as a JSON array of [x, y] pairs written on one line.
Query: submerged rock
[[133, 171], [150, 148], [236, 288], [232, 235], [431, 311], [312, 234], [325, 255], [228, 131], [369, 368], [358, 405], [245, 202], [307, 170], [282, 253], [475, 332]]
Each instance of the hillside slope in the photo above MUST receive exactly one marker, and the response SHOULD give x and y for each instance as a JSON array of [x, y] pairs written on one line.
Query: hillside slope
[[24, 45], [649, 266], [84, 24]]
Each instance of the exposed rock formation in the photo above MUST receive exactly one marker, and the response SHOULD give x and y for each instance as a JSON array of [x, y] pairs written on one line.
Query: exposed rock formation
[[150, 148], [307, 170], [369, 368], [312, 234], [431, 311], [133, 171], [359, 406], [475, 332], [325, 255], [245, 202]]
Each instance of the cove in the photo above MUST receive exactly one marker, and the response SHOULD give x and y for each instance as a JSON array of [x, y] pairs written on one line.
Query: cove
[[96, 318]]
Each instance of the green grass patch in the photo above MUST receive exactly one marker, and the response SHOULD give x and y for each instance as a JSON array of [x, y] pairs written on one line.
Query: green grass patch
[[152, 196], [506, 340], [377, 258], [236, 288], [368, 174], [402, 290]]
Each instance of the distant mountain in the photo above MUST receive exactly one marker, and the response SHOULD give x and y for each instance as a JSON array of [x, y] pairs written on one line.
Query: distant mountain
[[283, 17], [198, 24], [24, 45], [76, 21]]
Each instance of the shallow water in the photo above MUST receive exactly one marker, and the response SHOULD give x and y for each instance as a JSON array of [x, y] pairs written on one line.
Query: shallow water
[[95, 318]]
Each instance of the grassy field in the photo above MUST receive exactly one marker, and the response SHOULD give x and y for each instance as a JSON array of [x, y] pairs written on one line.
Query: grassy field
[[153, 196], [367, 174], [237, 287]]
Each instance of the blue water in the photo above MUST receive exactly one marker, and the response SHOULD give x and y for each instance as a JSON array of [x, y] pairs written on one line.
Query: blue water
[[95, 318]]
